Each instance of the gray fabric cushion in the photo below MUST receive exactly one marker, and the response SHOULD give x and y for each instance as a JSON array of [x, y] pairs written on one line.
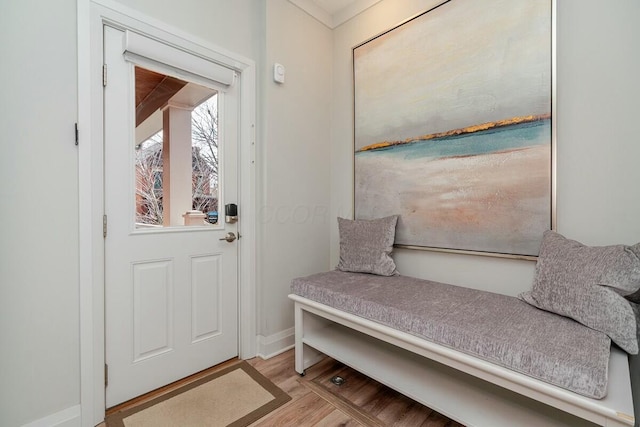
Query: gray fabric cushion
[[493, 327], [366, 245], [589, 284]]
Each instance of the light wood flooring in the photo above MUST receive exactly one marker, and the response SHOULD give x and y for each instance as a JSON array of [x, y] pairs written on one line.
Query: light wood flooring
[[360, 401], [316, 401]]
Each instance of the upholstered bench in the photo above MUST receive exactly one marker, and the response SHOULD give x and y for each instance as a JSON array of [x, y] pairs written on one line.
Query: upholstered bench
[[497, 328], [481, 358]]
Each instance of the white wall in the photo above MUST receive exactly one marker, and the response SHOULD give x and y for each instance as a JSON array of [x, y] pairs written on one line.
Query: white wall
[[226, 24], [598, 112], [295, 121], [39, 340], [597, 176]]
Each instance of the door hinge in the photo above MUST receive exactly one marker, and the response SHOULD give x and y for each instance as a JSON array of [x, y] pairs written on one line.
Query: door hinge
[[104, 225], [77, 139], [104, 75], [106, 375]]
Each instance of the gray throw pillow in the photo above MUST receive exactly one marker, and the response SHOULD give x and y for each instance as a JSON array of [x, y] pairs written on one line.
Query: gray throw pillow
[[366, 245], [589, 284]]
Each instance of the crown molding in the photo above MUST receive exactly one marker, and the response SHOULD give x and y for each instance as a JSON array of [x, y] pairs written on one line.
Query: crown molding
[[332, 20]]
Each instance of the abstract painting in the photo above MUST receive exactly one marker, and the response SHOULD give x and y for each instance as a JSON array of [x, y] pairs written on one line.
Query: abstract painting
[[453, 127]]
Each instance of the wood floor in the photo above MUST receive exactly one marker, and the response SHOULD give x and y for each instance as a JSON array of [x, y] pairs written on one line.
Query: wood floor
[[316, 401], [360, 401]]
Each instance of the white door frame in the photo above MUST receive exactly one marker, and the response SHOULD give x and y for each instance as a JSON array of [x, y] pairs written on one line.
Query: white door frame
[[91, 15]]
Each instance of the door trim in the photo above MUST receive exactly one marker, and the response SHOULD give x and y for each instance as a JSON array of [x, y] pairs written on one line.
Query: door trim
[[91, 15]]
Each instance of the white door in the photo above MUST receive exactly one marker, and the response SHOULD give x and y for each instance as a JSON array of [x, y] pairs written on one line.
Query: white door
[[170, 288]]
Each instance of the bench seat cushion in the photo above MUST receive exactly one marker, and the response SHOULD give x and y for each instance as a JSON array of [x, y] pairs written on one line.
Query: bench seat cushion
[[497, 328]]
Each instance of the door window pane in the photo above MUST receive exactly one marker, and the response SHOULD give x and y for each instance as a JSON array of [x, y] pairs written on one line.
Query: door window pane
[[176, 152]]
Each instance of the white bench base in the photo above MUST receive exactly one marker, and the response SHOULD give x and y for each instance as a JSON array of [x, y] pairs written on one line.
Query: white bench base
[[464, 388]]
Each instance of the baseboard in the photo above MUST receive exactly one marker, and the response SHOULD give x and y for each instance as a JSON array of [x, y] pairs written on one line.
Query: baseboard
[[69, 417], [272, 345]]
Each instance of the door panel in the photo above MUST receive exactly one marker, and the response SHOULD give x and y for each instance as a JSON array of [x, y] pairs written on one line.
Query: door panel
[[170, 288], [205, 295], [152, 308]]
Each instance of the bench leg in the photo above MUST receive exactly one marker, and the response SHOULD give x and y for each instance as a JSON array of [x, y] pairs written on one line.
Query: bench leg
[[299, 355], [634, 373]]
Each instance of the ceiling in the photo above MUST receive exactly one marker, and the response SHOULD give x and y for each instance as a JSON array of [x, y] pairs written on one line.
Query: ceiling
[[333, 6], [333, 12]]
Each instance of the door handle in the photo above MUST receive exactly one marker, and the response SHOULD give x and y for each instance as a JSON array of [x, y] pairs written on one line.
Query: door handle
[[230, 237]]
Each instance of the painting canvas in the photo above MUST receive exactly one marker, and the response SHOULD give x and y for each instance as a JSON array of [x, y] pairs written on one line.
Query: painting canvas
[[453, 127]]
